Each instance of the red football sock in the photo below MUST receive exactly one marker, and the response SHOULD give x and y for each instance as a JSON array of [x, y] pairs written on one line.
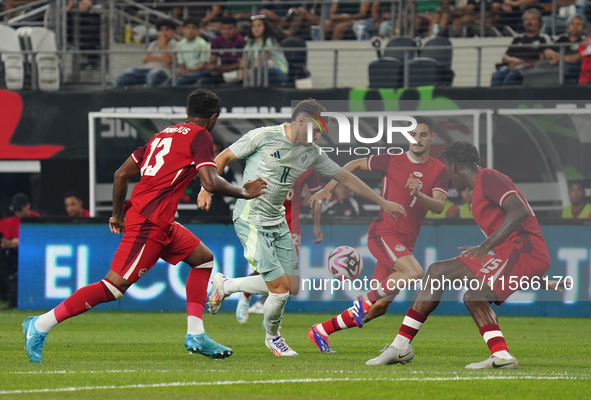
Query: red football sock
[[86, 298], [494, 339], [411, 324], [197, 288], [382, 291], [246, 295], [342, 321]]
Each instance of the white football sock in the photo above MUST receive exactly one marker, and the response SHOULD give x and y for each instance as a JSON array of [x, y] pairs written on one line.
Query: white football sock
[[400, 342], [251, 284], [46, 322], [194, 325], [273, 311], [503, 354]]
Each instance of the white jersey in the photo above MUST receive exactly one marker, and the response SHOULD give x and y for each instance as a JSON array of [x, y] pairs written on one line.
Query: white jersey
[[274, 158]]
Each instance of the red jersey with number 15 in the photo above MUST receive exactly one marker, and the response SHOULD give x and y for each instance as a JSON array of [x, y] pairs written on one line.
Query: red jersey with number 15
[[168, 162], [432, 176], [490, 190]]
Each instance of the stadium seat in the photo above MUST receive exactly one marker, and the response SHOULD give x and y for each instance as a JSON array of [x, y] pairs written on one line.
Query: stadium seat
[[443, 56], [386, 73], [298, 60], [46, 62], [402, 41], [542, 75], [12, 73], [423, 71]]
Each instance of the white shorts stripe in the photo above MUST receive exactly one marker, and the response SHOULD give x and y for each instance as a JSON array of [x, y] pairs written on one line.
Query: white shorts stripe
[[413, 323], [320, 329], [390, 252], [135, 262], [341, 322], [491, 334], [113, 290]]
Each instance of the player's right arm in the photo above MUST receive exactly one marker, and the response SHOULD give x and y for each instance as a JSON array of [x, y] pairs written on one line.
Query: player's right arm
[[120, 182], [213, 183], [352, 166]]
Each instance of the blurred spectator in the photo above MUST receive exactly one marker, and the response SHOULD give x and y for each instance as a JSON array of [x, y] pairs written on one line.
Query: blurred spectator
[[299, 20], [518, 59], [274, 10], [585, 53], [264, 46], [566, 9], [157, 65], [344, 13], [425, 11], [380, 22], [578, 208], [9, 229], [511, 14], [75, 206], [344, 205], [465, 210], [450, 210], [192, 55], [239, 11], [227, 61], [466, 20], [88, 26], [572, 59], [202, 14]]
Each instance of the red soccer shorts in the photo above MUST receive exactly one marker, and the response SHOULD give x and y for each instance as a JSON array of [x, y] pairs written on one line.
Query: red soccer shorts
[[387, 249], [507, 271], [143, 243]]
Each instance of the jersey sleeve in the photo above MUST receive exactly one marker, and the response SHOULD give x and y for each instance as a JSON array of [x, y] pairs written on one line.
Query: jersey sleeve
[[323, 164], [379, 163], [247, 144], [138, 155], [202, 149], [442, 181], [313, 181], [496, 186]]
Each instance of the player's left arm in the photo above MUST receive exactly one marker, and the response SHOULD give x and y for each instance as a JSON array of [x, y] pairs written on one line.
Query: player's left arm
[[120, 183], [435, 204], [515, 213]]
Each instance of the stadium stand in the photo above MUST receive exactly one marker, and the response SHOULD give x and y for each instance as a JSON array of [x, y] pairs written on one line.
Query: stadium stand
[[12, 70]]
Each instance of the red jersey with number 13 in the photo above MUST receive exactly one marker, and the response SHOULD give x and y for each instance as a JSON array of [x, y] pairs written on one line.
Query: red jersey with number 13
[[432, 176], [168, 162], [490, 190]]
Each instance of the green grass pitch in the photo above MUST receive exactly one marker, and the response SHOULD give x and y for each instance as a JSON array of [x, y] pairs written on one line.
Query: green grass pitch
[[133, 355]]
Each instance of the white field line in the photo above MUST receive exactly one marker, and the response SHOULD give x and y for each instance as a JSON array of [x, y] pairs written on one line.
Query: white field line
[[309, 380]]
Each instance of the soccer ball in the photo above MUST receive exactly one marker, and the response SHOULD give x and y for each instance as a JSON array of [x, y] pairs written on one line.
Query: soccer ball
[[345, 262]]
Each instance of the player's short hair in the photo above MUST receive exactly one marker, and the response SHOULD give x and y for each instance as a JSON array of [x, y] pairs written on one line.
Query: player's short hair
[[19, 201], [203, 103], [228, 21], [310, 105], [424, 120], [462, 153], [72, 194], [190, 21], [571, 183], [165, 23]]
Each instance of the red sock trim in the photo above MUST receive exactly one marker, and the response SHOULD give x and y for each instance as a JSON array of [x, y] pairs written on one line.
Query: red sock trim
[[407, 331], [416, 316], [497, 344], [332, 325], [246, 295], [488, 328], [196, 287], [201, 263]]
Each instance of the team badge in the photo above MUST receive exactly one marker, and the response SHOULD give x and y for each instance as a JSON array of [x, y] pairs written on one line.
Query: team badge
[[399, 247], [141, 272], [417, 174]]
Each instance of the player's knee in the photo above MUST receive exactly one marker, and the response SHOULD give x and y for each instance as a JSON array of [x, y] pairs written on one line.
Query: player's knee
[[437, 269], [474, 296], [415, 274], [116, 290]]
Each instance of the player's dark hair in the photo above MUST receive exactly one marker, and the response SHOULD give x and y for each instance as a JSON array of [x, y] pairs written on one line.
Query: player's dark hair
[[72, 194], [190, 21], [310, 105], [576, 183], [461, 153], [203, 103], [228, 21], [19, 201], [166, 23], [424, 120]]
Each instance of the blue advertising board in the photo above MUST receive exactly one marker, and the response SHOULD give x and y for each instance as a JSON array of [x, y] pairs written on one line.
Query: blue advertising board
[[57, 259]]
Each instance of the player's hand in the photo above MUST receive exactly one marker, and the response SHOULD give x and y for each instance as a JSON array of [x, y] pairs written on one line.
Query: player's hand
[[254, 188], [116, 225], [412, 184], [319, 234], [317, 198], [204, 200], [476, 251], [392, 208], [555, 285]]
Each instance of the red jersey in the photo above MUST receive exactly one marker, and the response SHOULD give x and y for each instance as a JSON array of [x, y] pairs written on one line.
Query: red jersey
[[490, 190], [85, 213], [10, 226], [294, 198], [432, 176], [168, 162]]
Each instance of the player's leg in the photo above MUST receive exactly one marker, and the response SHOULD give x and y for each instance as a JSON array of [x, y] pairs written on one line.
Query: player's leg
[[425, 302], [135, 255]]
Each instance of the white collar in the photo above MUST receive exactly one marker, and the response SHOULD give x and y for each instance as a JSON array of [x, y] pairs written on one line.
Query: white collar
[[412, 160]]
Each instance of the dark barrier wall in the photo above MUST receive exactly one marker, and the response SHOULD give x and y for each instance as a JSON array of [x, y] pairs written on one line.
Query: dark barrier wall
[[56, 259]]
